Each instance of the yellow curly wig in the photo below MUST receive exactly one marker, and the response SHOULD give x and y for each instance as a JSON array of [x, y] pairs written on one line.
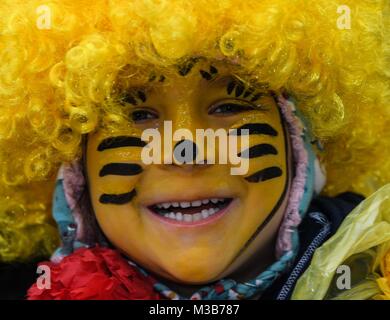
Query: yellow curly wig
[[61, 82]]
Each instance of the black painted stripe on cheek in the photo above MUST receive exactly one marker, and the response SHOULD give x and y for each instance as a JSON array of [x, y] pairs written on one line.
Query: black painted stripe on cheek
[[119, 142], [256, 128], [117, 198], [281, 198], [258, 150], [120, 169], [265, 174]]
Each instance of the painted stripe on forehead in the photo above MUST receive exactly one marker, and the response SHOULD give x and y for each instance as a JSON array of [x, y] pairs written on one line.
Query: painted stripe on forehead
[[120, 169], [120, 142], [186, 67], [240, 90], [118, 199], [255, 128], [135, 97], [209, 75], [258, 150], [265, 174]]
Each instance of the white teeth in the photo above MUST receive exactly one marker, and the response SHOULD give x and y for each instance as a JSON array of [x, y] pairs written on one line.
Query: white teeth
[[179, 216], [205, 213], [196, 217], [185, 204], [196, 203], [187, 218], [166, 205]]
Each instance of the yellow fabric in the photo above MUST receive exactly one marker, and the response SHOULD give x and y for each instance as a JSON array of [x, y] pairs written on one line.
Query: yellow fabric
[[362, 240], [384, 281]]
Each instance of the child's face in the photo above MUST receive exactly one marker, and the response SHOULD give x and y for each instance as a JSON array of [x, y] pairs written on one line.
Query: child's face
[[192, 223]]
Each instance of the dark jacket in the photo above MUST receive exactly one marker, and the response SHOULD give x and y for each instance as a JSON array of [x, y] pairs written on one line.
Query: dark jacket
[[322, 220]]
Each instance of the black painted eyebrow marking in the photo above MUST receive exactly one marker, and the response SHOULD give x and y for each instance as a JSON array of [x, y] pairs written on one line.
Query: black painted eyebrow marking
[[120, 142], [186, 67], [265, 174], [152, 77], [205, 75], [257, 96], [120, 169], [258, 150], [256, 128], [134, 96], [213, 70], [117, 198], [209, 75], [230, 87], [248, 92], [129, 98], [142, 95], [241, 90]]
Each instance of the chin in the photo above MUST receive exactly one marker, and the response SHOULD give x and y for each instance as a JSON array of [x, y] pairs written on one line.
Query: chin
[[185, 272], [194, 276]]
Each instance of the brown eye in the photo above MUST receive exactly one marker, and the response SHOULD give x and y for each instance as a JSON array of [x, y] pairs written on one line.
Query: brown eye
[[143, 115], [229, 108]]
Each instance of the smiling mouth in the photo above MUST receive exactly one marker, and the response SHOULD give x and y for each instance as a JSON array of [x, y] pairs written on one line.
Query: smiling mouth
[[191, 211]]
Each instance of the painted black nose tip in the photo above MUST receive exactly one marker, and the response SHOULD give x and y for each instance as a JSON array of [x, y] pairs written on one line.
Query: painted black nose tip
[[185, 151]]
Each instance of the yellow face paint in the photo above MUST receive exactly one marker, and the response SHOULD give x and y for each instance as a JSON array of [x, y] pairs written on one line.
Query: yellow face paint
[[131, 199]]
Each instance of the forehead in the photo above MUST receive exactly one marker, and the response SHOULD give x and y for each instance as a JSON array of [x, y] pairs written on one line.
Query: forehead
[[192, 74]]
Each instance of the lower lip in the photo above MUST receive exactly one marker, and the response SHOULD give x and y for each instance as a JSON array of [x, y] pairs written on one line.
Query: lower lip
[[208, 220]]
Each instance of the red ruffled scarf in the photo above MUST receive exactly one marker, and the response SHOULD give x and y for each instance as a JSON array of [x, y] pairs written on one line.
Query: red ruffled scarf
[[95, 274]]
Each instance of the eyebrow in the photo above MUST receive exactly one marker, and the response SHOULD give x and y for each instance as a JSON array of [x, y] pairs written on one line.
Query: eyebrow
[[120, 142]]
